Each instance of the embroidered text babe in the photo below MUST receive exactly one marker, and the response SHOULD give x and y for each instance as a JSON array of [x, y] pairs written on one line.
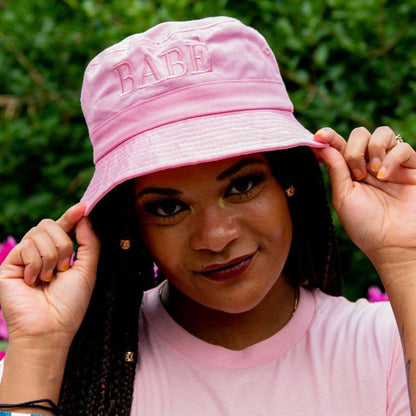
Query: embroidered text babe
[[189, 59]]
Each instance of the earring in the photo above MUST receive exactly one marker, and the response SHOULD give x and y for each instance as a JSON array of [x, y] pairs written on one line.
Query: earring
[[125, 244], [290, 191]]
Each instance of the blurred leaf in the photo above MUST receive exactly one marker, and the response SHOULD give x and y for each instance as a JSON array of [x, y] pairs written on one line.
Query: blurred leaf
[[345, 64]]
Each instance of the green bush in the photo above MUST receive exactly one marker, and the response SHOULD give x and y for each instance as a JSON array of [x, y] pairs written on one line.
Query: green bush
[[345, 63]]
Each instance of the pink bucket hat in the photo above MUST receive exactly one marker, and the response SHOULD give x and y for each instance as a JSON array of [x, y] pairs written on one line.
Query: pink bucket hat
[[184, 93]]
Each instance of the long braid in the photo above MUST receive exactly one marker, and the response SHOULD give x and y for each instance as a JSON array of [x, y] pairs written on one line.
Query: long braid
[[98, 379]]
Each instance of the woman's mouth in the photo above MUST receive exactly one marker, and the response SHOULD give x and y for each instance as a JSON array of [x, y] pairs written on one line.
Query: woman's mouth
[[227, 271]]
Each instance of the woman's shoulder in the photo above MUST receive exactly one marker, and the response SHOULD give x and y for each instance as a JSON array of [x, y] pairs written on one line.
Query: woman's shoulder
[[358, 319], [360, 306]]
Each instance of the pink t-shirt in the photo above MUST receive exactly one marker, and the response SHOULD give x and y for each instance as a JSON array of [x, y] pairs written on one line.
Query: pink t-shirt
[[334, 358]]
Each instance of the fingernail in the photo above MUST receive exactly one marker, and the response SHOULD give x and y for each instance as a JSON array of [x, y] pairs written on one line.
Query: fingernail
[[76, 206], [65, 266], [47, 278], [375, 164], [381, 174], [358, 174], [84, 205], [320, 132]]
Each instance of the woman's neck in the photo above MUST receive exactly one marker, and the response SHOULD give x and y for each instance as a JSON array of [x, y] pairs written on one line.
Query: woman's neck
[[233, 331]]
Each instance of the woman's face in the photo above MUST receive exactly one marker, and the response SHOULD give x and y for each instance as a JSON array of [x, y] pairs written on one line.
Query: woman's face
[[220, 232]]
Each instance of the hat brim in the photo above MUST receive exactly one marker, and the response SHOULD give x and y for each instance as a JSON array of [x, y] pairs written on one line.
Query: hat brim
[[196, 140]]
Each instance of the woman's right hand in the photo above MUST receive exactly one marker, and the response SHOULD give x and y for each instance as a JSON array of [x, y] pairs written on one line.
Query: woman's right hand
[[43, 299]]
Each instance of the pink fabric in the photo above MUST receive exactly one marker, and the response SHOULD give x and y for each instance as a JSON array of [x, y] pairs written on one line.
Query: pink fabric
[[334, 357], [184, 93], [183, 104]]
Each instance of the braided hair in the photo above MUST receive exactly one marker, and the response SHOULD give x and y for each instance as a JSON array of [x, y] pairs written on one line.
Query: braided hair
[[100, 367], [313, 258], [99, 377]]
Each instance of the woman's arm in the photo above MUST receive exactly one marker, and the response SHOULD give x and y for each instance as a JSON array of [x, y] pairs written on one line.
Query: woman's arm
[[373, 182], [44, 301]]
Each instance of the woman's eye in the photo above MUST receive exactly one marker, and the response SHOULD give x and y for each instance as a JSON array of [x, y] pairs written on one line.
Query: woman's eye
[[244, 185], [167, 208]]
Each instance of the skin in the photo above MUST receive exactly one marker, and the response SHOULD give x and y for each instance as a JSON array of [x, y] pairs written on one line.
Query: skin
[[43, 317], [369, 174], [219, 216], [376, 176]]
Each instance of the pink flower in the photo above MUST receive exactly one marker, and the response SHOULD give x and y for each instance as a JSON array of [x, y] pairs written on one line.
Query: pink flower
[[374, 294], [3, 328], [2, 354], [6, 247]]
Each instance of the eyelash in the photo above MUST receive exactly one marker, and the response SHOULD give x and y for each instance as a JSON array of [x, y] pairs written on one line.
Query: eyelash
[[251, 181], [255, 178], [153, 207]]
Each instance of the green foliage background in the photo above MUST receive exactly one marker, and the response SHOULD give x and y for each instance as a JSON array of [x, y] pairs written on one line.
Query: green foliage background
[[345, 63]]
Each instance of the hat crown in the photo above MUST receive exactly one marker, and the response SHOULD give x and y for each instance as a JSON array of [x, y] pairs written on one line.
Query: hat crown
[[183, 93], [173, 56]]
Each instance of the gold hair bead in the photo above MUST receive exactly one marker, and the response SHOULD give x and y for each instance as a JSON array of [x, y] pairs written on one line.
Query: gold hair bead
[[129, 357], [290, 191], [125, 244]]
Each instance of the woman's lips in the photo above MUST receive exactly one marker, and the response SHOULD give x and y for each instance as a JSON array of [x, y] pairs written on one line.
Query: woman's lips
[[230, 270]]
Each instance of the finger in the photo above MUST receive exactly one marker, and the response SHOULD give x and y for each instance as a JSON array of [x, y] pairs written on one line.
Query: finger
[[401, 156], [356, 152], [382, 140], [27, 255], [71, 217], [62, 242], [88, 251], [35, 254], [46, 250], [331, 137], [23, 255], [339, 174]]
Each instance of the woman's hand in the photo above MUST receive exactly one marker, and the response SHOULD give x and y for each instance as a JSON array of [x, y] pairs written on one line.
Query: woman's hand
[[373, 181], [44, 299]]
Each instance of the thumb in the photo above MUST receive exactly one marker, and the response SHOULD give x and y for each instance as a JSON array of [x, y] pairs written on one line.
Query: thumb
[[88, 248], [71, 217], [338, 172]]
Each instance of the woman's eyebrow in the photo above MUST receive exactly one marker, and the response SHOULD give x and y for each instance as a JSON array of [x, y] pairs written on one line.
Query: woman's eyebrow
[[238, 166], [223, 175], [159, 191]]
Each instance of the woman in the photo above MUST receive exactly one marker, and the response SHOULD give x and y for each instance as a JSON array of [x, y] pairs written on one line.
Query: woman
[[202, 169]]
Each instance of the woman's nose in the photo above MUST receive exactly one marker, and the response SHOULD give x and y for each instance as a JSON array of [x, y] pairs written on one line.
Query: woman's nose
[[214, 229]]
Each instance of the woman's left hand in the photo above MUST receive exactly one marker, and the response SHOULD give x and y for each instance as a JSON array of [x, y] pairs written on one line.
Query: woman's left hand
[[373, 181]]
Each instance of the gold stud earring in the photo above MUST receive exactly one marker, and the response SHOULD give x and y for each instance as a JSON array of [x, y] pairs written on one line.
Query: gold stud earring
[[290, 191]]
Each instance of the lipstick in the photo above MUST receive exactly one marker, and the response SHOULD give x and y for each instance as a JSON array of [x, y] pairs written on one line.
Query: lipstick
[[227, 271]]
